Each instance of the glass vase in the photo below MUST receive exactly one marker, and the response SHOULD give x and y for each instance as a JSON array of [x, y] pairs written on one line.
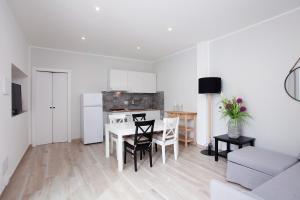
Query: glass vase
[[234, 129]]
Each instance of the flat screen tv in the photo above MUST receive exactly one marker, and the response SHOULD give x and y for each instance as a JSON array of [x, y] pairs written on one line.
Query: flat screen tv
[[16, 97]]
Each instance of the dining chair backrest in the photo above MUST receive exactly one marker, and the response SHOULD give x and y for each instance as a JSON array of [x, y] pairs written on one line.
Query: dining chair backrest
[[139, 117], [143, 132], [117, 118], [170, 128]]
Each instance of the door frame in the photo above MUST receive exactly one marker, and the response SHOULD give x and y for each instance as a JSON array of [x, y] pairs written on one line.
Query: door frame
[[34, 100]]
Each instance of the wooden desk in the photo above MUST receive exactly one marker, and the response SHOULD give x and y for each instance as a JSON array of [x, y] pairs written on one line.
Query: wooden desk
[[186, 117]]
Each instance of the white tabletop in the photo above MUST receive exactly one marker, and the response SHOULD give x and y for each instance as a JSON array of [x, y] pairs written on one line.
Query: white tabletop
[[129, 127]]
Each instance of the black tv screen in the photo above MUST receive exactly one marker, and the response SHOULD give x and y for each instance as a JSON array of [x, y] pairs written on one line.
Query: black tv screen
[[16, 97]]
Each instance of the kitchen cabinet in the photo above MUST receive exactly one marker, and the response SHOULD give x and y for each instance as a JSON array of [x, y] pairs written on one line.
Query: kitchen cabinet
[[152, 114], [118, 80], [141, 82], [132, 81]]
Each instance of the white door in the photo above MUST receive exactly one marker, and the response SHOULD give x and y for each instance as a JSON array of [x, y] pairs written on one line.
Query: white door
[[60, 107], [51, 108], [43, 108]]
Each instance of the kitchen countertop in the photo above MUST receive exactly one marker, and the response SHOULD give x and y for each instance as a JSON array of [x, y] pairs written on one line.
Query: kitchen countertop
[[132, 110]]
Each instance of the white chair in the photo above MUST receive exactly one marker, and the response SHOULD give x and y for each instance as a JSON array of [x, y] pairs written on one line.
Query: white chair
[[115, 118], [168, 137]]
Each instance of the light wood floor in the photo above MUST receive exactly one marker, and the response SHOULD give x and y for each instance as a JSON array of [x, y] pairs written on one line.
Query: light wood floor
[[76, 171]]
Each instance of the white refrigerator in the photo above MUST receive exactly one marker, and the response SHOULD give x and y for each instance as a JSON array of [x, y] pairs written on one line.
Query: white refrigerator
[[91, 118]]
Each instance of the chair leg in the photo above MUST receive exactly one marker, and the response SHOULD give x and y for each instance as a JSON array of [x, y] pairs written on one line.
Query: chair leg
[[117, 150], [150, 157], [175, 150], [155, 147], [163, 151], [141, 154], [111, 144], [152, 146], [135, 161], [124, 154]]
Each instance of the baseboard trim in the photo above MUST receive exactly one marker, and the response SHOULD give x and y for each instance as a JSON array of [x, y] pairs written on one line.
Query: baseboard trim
[[8, 178], [76, 140]]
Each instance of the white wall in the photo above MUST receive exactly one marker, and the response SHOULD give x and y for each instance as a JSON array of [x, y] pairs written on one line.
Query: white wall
[[177, 77], [253, 64], [89, 73], [203, 68], [13, 130]]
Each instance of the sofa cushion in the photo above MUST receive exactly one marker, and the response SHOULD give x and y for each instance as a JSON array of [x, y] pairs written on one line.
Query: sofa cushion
[[222, 191], [285, 186], [262, 160]]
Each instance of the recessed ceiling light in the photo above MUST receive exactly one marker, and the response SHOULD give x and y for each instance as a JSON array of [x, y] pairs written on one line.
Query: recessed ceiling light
[[97, 8], [83, 38], [138, 48], [170, 29]]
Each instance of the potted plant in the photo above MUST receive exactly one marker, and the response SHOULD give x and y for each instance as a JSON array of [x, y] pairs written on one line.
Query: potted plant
[[236, 112]]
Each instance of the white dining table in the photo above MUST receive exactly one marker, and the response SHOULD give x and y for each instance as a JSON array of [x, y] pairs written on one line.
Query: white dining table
[[121, 130]]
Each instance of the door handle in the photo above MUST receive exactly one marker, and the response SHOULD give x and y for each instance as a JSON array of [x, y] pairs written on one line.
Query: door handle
[[52, 107]]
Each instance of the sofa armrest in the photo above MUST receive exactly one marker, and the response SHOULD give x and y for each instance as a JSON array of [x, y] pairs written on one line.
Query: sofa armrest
[[221, 191]]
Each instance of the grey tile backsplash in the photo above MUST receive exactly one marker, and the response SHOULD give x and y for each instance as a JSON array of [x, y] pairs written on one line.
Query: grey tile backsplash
[[124, 100]]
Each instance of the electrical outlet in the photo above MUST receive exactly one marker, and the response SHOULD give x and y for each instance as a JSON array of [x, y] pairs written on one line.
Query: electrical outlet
[[5, 166]]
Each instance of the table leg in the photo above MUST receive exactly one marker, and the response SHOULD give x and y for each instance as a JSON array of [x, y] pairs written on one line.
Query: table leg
[[252, 143], [228, 147], [216, 150], [106, 142], [240, 146], [119, 153], [195, 130], [186, 133]]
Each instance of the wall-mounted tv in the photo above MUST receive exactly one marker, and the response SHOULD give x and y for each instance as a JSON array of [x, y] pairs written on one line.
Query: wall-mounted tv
[[16, 99]]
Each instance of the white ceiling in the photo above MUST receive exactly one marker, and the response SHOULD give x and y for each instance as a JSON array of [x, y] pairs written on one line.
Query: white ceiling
[[122, 25]]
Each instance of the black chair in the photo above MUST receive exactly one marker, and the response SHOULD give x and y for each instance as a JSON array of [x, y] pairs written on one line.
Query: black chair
[[142, 141], [139, 117]]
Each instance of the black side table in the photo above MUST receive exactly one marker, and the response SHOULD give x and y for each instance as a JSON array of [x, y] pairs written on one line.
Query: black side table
[[242, 140]]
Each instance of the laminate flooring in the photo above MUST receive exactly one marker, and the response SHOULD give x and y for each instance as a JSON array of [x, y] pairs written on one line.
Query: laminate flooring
[[79, 172]]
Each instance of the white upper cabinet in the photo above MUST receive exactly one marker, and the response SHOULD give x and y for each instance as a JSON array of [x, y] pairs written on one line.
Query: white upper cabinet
[[149, 80], [141, 82], [135, 82], [131, 81], [118, 80]]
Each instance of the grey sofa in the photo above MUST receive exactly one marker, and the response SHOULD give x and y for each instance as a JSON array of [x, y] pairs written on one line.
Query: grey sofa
[[269, 179], [252, 166]]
